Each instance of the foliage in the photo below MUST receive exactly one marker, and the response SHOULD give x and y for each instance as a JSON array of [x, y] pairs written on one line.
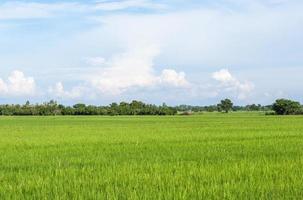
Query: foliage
[[226, 105], [139, 108], [189, 108], [52, 108], [287, 107], [212, 108]]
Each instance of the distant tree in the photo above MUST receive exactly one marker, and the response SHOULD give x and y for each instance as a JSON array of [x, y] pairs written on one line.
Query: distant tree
[[253, 107], [225, 105], [287, 107], [67, 110], [53, 108], [211, 108], [113, 109], [27, 104], [124, 108], [80, 109]]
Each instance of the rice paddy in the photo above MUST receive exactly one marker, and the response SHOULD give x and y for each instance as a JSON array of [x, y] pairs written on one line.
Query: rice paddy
[[207, 156]]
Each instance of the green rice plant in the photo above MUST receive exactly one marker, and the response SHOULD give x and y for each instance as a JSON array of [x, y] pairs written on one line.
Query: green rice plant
[[209, 156]]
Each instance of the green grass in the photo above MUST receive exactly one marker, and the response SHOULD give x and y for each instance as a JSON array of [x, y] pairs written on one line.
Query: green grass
[[208, 156]]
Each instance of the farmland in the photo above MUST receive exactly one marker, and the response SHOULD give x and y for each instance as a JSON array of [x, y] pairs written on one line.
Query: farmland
[[207, 156]]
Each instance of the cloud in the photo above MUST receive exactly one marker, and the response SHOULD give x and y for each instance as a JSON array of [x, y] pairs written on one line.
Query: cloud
[[250, 35], [134, 69], [18, 84], [201, 35], [223, 76], [122, 5], [33, 10], [231, 84], [171, 77], [58, 91], [255, 35], [126, 70], [95, 61]]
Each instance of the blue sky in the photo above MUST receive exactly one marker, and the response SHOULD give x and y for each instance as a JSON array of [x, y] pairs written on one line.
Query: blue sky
[[174, 51]]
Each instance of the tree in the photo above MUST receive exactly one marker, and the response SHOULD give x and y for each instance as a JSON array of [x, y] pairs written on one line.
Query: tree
[[253, 107], [80, 109], [225, 105], [287, 107]]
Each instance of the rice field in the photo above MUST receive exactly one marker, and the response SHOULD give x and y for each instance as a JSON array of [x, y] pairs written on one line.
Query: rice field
[[207, 156]]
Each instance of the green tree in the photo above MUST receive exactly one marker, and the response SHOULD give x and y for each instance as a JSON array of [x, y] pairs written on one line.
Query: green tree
[[80, 109], [225, 105], [287, 107]]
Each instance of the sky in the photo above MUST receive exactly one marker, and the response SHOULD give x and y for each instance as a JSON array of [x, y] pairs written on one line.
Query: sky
[[175, 51]]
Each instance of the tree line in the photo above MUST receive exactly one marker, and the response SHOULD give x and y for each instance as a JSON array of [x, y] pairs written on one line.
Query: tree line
[[279, 107], [218, 107], [53, 108]]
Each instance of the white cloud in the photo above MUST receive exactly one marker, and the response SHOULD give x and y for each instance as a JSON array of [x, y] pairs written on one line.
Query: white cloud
[[58, 91], [202, 36], [123, 71], [171, 77], [32, 10], [223, 75], [135, 68], [258, 36], [18, 84], [121, 5], [231, 84], [95, 61], [3, 87]]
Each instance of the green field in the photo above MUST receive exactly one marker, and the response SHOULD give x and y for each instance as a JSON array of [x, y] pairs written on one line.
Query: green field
[[208, 156]]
